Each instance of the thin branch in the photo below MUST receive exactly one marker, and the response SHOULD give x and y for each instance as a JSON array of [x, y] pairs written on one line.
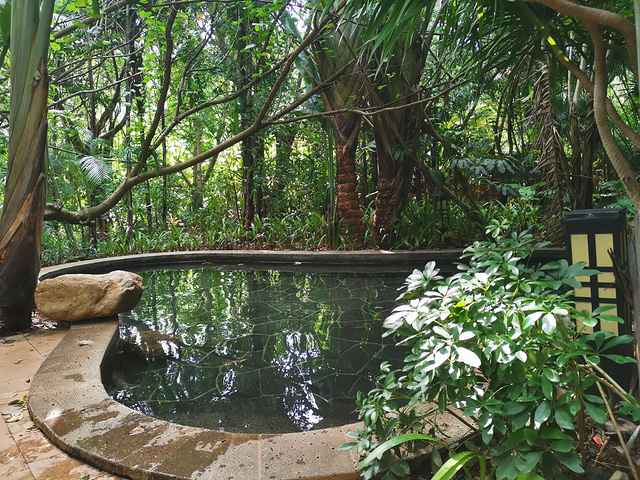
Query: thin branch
[[612, 417], [166, 81], [88, 21], [85, 92]]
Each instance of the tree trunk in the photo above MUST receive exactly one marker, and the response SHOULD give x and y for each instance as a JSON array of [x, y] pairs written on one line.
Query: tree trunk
[[619, 162], [347, 206], [258, 159], [21, 223], [165, 206], [248, 144], [197, 193], [396, 132], [394, 179], [25, 196], [248, 207]]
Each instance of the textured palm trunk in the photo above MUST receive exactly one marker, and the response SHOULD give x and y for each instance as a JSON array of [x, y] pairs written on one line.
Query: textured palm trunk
[[387, 210], [351, 226], [334, 55], [390, 182], [394, 174], [23, 212], [396, 130]]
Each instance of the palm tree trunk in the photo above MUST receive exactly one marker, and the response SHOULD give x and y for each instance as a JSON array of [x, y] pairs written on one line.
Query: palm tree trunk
[[387, 206], [24, 201], [21, 223], [346, 131]]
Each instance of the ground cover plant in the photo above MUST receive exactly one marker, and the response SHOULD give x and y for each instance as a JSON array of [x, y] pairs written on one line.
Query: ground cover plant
[[499, 341]]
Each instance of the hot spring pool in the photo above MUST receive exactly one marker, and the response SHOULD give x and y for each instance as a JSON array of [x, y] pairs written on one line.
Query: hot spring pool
[[254, 351], [69, 403]]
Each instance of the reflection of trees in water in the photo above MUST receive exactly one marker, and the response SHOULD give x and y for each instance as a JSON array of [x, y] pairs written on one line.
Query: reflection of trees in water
[[290, 344]]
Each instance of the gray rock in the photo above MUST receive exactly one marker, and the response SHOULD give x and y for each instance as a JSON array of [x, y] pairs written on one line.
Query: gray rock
[[618, 475], [74, 297]]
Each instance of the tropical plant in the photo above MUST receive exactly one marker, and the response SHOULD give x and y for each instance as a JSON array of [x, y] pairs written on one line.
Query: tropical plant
[[579, 37], [395, 90], [24, 194], [338, 67], [498, 341]]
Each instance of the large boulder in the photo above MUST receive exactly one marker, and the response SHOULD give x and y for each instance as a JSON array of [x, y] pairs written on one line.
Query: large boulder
[[80, 296]]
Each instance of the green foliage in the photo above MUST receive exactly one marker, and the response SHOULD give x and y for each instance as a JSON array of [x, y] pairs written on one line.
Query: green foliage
[[486, 167], [612, 195], [499, 342], [100, 125], [521, 210], [420, 226]]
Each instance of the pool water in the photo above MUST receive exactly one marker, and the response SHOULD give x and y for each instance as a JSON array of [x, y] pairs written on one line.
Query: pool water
[[254, 351]]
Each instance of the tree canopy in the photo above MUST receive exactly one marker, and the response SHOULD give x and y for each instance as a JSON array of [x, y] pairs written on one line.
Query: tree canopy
[[308, 124]]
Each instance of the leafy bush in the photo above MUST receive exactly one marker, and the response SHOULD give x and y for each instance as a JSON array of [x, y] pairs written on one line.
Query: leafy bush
[[522, 210], [498, 341]]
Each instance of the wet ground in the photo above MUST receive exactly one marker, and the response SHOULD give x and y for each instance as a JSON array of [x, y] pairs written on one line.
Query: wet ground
[[25, 453]]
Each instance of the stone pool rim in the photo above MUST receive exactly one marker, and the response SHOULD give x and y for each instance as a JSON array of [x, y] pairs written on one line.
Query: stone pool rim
[[367, 258], [69, 403]]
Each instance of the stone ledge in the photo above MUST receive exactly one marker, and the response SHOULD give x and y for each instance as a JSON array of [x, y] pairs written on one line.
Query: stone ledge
[[70, 405]]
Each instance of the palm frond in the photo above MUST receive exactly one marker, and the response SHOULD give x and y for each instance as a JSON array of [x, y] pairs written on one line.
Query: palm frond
[[97, 171]]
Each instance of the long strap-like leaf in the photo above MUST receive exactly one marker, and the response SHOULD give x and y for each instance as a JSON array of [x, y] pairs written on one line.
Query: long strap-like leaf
[[30, 32], [636, 13]]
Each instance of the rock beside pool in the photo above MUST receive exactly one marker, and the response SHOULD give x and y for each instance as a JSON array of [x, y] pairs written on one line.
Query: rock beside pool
[[74, 297]]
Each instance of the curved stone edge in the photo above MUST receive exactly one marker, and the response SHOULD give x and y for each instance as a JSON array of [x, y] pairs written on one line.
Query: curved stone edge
[[331, 259], [70, 405]]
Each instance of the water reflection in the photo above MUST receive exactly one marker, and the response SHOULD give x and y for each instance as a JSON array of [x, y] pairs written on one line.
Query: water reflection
[[254, 351]]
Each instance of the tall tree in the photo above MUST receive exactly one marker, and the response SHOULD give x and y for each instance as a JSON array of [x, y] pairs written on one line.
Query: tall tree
[[336, 59], [397, 128], [23, 207]]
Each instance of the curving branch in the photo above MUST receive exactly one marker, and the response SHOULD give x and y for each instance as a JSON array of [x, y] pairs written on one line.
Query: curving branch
[[86, 215], [622, 167], [597, 16]]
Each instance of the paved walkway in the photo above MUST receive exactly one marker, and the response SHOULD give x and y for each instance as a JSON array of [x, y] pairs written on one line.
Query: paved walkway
[[25, 453]]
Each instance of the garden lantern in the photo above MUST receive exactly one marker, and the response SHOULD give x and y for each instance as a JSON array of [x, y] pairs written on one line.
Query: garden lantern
[[590, 235], [440, 204]]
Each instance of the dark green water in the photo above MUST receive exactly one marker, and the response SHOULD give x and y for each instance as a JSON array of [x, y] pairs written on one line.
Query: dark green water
[[254, 351]]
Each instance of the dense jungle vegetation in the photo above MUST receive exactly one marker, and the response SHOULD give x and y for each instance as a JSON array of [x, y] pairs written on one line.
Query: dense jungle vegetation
[[133, 126], [185, 125]]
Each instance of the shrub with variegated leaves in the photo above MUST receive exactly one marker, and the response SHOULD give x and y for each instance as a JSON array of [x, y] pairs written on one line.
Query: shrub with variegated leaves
[[498, 341]]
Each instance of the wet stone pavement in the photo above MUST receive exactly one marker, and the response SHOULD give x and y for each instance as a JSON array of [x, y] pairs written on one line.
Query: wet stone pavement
[[25, 453]]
